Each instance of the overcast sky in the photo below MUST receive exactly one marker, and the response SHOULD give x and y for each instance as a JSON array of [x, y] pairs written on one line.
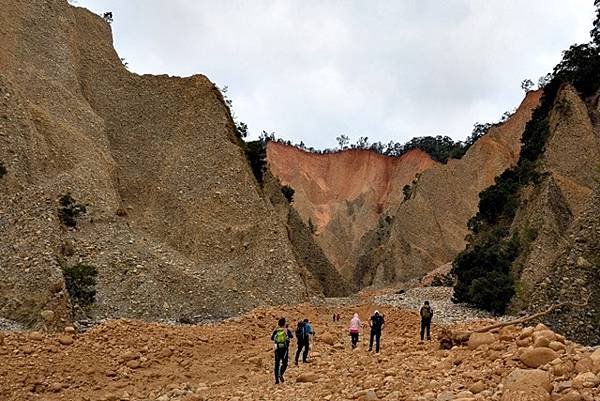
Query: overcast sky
[[390, 70]]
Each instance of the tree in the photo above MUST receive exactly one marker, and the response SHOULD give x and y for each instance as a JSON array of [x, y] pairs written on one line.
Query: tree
[[288, 192], [343, 141], [241, 129], [108, 17], [69, 210], [527, 85], [544, 80], [362, 143]]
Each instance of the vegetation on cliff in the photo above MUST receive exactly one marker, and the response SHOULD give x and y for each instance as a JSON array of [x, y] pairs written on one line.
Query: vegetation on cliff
[[484, 272]]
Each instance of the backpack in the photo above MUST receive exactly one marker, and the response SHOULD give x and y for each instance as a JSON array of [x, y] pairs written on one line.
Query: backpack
[[280, 337], [426, 312], [300, 332]]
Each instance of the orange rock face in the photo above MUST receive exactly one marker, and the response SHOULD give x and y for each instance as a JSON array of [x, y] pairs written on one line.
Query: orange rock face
[[367, 229], [345, 193]]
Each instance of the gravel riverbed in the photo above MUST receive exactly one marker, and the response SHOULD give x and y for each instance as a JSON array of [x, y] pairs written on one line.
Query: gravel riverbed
[[440, 298]]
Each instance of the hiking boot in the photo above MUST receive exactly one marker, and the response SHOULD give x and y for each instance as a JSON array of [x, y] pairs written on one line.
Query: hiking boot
[[281, 379]]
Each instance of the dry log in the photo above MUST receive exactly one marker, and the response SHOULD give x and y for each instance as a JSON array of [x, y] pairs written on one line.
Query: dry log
[[449, 338]]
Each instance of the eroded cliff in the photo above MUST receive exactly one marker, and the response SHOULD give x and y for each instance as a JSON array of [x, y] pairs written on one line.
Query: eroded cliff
[[175, 225], [344, 194]]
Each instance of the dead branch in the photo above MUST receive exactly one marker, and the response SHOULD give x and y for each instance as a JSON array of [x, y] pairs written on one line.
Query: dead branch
[[534, 316], [449, 338]]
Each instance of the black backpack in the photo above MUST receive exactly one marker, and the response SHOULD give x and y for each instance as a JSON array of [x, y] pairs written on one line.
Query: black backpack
[[300, 332]]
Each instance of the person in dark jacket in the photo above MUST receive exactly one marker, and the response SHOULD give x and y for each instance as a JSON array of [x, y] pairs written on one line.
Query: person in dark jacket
[[376, 322], [303, 331], [281, 337], [426, 313]]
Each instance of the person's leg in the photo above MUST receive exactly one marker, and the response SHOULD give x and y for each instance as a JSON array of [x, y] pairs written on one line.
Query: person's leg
[[354, 339], [305, 354], [371, 340], [428, 329], [377, 339], [284, 364], [422, 329], [276, 370], [298, 352]]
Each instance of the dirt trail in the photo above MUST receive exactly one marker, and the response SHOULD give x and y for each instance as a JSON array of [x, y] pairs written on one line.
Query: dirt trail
[[232, 360]]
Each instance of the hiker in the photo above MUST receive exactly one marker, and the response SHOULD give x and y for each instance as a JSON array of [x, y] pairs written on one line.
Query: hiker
[[426, 313], [377, 322], [338, 317], [303, 331], [334, 316], [355, 325], [281, 337]]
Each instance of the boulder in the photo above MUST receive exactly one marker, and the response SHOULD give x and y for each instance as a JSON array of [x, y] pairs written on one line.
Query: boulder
[[477, 387], [586, 380], [445, 396], [536, 357], [307, 378], [527, 385], [528, 378], [371, 396], [556, 346], [585, 364], [526, 332], [540, 342], [571, 396], [36, 336], [327, 338], [478, 339], [595, 358]]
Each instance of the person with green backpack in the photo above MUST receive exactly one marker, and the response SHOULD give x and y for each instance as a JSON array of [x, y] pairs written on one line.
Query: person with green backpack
[[426, 313], [281, 338]]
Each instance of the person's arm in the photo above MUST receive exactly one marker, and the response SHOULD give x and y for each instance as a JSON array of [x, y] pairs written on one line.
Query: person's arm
[[382, 322], [273, 335]]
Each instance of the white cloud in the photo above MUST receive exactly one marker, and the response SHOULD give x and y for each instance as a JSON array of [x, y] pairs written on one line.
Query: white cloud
[[389, 70]]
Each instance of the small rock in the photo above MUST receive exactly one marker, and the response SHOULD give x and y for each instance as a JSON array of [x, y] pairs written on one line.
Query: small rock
[[66, 340], [47, 315]]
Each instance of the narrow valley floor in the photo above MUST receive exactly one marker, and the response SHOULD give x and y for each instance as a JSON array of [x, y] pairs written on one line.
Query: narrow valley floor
[[233, 360]]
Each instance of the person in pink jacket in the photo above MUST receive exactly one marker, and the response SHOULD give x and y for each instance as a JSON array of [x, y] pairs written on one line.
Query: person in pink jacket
[[355, 325]]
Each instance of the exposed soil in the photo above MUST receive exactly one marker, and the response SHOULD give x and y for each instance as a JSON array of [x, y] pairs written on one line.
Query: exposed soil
[[232, 360]]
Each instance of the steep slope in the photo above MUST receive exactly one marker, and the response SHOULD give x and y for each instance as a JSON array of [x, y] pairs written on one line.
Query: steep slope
[[429, 229], [344, 194], [176, 225], [562, 213]]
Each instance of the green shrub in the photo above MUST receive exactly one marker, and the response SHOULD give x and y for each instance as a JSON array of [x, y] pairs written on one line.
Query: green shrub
[[69, 210], [81, 283], [288, 192], [407, 191], [257, 157], [2, 170]]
